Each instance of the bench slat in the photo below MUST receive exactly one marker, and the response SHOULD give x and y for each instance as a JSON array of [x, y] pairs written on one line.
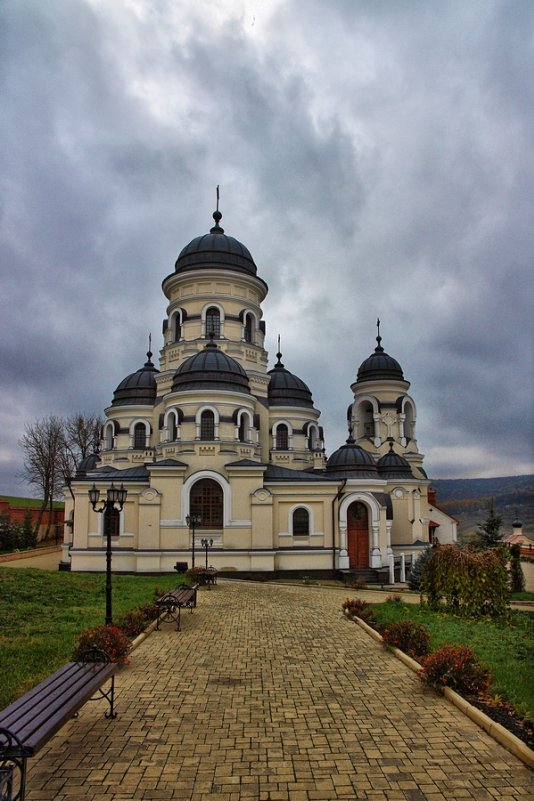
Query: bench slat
[[35, 717]]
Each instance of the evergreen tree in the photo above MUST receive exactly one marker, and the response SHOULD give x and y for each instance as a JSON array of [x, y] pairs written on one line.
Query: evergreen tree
[[517, 579], [414, 579], [489, 534], [28, 536]]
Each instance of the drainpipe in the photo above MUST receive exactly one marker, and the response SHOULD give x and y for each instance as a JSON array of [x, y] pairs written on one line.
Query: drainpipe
[[338, 496]]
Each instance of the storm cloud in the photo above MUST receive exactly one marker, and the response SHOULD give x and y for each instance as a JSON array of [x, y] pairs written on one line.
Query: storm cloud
[[376, 158]]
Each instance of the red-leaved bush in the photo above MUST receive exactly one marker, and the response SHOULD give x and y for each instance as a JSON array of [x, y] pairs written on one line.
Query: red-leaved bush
[[456, 666], [110, 639], [355, 606], [412, 638]]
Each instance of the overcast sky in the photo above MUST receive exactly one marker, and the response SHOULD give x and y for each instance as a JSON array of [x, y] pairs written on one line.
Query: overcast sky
[[376, 157]]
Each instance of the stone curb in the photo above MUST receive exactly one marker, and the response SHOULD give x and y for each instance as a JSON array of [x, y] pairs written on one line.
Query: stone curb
[[14, 556], [512, 743], [142, 637]]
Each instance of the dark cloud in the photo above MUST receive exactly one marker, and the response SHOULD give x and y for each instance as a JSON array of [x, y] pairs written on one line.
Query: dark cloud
[[375, 158]]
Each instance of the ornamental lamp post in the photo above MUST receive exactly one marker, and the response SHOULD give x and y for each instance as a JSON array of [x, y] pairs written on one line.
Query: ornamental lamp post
[[206, 544], [115, 499], [192, 521]]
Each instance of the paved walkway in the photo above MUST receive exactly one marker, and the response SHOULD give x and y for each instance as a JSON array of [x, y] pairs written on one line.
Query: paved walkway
[[269, 693]]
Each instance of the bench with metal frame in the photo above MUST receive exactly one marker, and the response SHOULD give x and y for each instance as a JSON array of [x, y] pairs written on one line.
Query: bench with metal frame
[[171, 604], [31, 721]]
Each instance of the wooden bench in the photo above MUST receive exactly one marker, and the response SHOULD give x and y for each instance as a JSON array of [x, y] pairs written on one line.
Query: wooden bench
[[171, 603], [32, 720]]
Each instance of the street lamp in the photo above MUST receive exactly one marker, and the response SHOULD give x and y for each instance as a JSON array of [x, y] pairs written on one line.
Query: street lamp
[[114, 500], [206, 544], [192, 521]]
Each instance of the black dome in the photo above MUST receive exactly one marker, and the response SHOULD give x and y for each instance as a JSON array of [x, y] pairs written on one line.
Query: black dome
[[89, 463], [286, 389], [210, 369], [215, 249], [352, 461], [392, 465], [137, 388], [379, 365]]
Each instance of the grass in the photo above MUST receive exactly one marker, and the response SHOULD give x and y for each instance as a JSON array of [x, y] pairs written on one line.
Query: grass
[[507, 648], [42, 613], [523, 596]]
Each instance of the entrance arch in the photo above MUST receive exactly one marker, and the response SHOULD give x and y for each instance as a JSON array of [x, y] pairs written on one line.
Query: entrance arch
[[358, 534]]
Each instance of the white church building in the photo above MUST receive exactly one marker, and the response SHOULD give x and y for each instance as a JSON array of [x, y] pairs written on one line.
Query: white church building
[[215, 435]]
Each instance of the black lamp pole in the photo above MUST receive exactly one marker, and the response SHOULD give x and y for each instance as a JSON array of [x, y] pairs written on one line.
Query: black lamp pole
[[192, 521], [206, 544], [114, 500]]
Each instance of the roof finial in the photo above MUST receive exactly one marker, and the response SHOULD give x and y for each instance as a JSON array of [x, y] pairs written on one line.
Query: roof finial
[[279, 355], [379, 348], [217, 216], [149, 352]]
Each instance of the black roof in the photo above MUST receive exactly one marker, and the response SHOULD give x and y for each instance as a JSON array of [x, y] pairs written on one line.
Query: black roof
[[211, 369], [215, 249], [138, 387], [379, 365], [286, 389], [392, 465], [351, 461]]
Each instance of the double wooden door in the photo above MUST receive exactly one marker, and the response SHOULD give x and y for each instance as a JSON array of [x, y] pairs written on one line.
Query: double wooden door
[[358, 535]]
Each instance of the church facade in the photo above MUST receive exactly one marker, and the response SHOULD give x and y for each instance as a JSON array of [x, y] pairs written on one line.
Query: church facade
[[214, 435]]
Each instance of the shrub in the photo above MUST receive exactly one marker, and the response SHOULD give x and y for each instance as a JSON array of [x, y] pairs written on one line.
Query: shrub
[[110, 639], [471, 583], [133, 623], [412, 638], [358, 584], [394, 599], [456, 666], [355, 607]]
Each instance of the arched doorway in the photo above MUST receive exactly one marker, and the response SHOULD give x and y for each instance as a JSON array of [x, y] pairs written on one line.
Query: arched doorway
[[206, 500], [358, 535]]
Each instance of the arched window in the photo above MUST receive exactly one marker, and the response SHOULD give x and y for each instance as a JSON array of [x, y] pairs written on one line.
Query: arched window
[[206, 500], [177, 328], [139, 436], [112, 519], [108, 437], [249, 328], [282, 437], [213, 322], [207, 425], [244, 428], [172, 428], [301, 522]]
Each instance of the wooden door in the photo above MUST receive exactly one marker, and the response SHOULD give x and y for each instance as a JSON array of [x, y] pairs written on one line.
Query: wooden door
[[358, 535]]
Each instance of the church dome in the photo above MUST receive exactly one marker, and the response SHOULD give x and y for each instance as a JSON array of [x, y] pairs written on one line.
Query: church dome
[[215, 249], [352, 461], [210, 369], [379, 365], [139, 387], [89, 463], [286, 389], [392, 465]]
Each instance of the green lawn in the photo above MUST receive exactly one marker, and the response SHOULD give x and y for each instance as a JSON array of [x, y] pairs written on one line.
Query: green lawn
[[507, 648], [42, 612]]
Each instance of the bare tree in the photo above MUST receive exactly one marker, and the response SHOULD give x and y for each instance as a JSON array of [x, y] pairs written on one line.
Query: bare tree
[[81, 434], [43, 442], [53, 447]]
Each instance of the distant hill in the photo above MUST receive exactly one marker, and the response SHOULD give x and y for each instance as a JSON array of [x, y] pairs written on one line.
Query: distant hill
[[469, 499]]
